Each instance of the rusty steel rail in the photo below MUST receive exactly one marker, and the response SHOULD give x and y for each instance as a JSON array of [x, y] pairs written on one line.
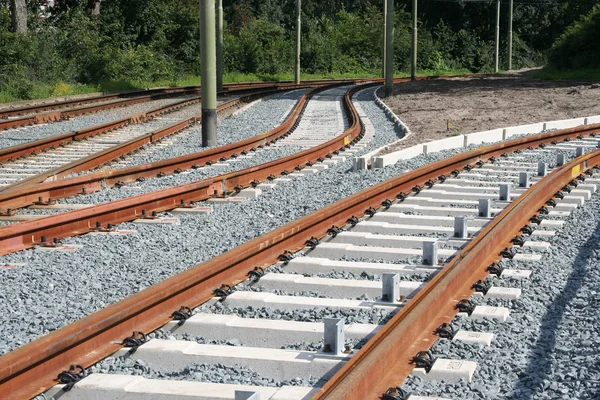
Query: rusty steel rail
[[412, 330], [101, 157], [27, 234], [11, 112], [11, 153], [126, 99], [56, 189], [53, 141], [32, 368]]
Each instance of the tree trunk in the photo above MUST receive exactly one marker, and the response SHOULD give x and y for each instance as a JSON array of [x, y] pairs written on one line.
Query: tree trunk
[[96, 8], [18, 11]]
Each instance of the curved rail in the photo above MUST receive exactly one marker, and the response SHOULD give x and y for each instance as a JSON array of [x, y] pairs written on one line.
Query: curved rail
[[55, 189], [33, 367], [127, 98], [96, 159], [27, 234]]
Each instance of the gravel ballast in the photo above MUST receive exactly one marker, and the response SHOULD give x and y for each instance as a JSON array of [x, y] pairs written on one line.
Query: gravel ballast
[[548, 348], [107, 270], [14, 137], [261, 116]]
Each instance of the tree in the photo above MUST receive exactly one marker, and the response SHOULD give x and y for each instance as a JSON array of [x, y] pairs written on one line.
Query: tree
[[18, 11]]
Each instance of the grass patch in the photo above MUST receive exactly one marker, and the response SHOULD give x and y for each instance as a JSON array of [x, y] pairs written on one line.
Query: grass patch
[[44, 91], [575, 74]]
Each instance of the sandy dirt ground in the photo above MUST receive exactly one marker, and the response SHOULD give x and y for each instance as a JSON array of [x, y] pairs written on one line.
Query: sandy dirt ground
[[479, 104]]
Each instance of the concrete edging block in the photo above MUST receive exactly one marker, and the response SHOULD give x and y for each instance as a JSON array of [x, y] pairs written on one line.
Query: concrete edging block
[[495, 135], [524, 129], [592, 120], [564, 123], [455, 142], [392, 158]]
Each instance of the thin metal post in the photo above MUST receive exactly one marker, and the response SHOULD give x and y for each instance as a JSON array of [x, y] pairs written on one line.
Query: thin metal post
[[497, 35], [460, 228], [390, 287], [389, 56], [298, 39], [485, 208], [220, 45], [504, 192], [510, 33], [384, 63], [413, 66], [209, 72], [334, 335], [430, 253], [523, 179]]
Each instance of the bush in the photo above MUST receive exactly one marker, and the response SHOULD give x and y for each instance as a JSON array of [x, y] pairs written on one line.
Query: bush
[[579, 46]]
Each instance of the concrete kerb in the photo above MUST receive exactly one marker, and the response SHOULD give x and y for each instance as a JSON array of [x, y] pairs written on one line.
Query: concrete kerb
[[463, 141], [402, 130]]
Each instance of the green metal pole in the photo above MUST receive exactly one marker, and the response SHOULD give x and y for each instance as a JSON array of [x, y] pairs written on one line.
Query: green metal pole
[[383, 64], [413, 66], [497, 35], [510, 33], [208, 56], [298, 39], [220, 45], [389, 56]]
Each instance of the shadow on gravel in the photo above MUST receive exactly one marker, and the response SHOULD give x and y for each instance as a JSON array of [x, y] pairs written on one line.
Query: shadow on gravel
[[530, 385]]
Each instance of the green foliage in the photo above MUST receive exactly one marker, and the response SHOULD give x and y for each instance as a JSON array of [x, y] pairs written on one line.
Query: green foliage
[[140, 43], [579, 46]]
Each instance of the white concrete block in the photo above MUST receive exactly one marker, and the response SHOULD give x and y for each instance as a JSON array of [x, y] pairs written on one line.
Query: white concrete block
[[394, 216], [118, 232], [494, 135], [551, 223], [484, 338], [392, 158], [536, 245], [314, 265], [60, 206], [159, 220], [173, 355], [524, 129], [270, 300], [565, 123], [130, 387], [504, 293], [226, 200], [258, 332], [516, 273], [194, 210], [438, 211], [446, 370], [593, 120], [380, 240], [67, 248], [455, 142], [250, 193], [486, 312], [339, 250], [527, 257], [337, 288], [266, 186]]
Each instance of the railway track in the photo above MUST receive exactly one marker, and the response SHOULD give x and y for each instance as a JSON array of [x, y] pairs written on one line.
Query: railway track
[[81, 150], [398, 208], [29, 194], [57, 111]]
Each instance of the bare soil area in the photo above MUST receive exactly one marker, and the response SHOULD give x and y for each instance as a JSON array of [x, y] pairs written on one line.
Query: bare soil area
[[438, 108]]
